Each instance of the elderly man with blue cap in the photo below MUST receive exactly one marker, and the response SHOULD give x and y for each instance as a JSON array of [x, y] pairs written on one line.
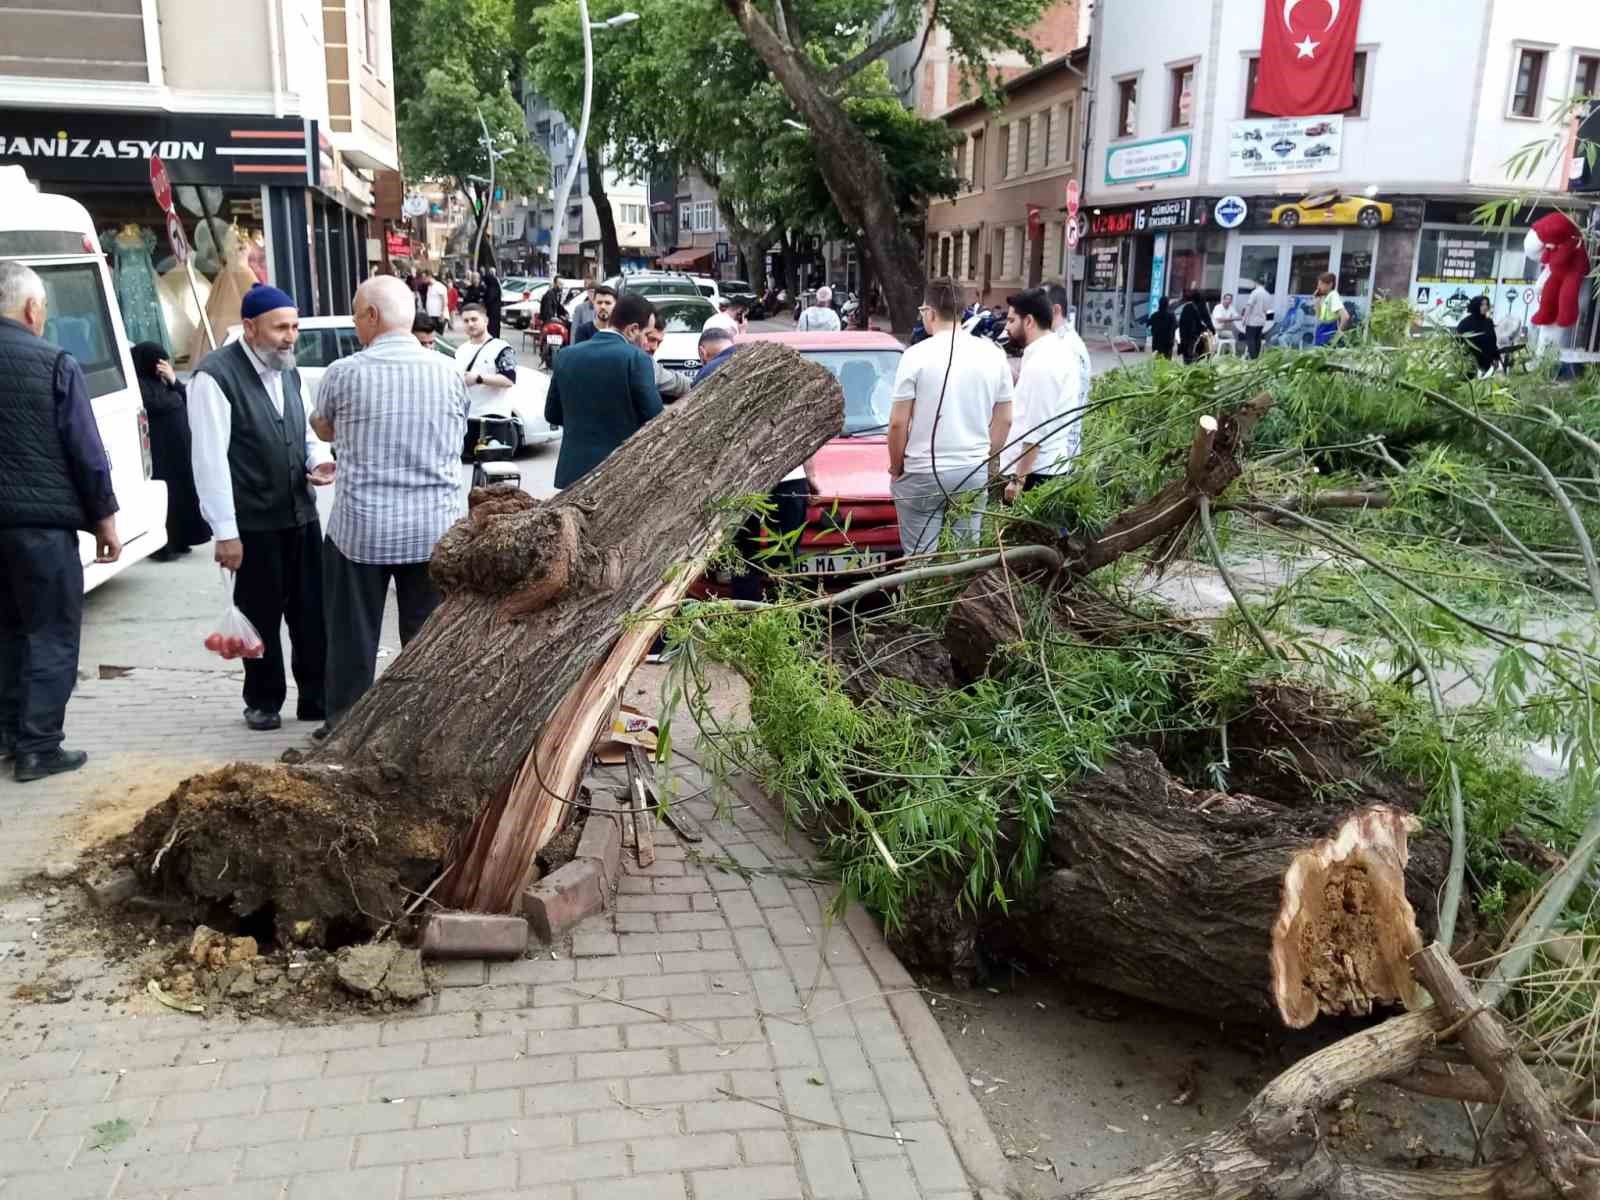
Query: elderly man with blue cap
[[255, 460]]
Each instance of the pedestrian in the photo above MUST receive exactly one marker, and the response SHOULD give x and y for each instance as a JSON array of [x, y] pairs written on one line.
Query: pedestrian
[[603, 302], [422, 329], [1225, 317], [472, 292], [723, 318], [55, 479], [493, 297], [1332, 316], [1478, 331], [582, 311], [166, 406], [396, 415], [820, 316], [716, 348], [1047, 411], [1061, 326], [435, 302], [1163, 328], [256, 459], [1257, 314], [1194, 322], [948, 423], [610, 389], [488, 366], [453, 298], [673, 385]]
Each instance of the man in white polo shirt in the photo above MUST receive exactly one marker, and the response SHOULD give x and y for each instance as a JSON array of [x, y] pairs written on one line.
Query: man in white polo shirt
[[1049, 396], [948, 423]]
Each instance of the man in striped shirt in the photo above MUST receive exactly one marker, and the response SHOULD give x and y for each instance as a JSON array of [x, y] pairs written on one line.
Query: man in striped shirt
[[396, 414]]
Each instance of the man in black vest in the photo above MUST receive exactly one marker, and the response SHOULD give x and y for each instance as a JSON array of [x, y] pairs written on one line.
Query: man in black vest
[[55, 479], [254, 456]]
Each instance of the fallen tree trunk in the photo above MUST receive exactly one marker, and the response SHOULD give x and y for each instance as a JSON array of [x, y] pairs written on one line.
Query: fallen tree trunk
[[535, 596]]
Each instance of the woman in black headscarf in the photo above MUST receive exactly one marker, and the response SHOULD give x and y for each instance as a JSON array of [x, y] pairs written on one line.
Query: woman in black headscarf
[[1478, 331], [1193, 323], [166, 407], [1163, 329]]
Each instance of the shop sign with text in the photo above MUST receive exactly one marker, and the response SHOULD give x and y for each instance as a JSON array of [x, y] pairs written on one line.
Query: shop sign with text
[[1147, 218], [1285, 146], [116, 147], [1160, 158]]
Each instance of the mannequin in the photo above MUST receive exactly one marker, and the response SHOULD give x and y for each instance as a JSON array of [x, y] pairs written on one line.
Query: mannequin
[[134, 277], [233, 280]]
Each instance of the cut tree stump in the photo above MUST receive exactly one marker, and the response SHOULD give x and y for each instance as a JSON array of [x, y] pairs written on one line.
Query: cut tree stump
[[468, 749]]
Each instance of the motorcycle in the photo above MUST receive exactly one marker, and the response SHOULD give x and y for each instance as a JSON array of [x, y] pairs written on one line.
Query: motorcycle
[[553, 336]]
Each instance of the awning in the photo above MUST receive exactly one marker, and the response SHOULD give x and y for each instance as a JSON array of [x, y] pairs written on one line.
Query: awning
[[683, 259]]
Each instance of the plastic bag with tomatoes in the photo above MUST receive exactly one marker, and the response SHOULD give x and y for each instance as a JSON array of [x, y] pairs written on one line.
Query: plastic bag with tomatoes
[[234, 637]]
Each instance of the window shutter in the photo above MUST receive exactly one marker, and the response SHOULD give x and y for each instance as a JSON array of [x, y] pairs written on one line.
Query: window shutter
[[1014, 136], [1052, 246], [1036, 135]]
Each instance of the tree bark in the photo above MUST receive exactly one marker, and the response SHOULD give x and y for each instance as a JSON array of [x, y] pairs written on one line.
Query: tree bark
[[534, 596], [610, 247], [851, 166]]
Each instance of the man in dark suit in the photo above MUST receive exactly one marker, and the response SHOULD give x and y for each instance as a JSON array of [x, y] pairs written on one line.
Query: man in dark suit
[[609, 386]]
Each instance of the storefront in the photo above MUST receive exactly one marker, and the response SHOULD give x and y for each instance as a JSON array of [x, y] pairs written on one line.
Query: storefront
[[259, 198], [1458, 259], [1140, 251]]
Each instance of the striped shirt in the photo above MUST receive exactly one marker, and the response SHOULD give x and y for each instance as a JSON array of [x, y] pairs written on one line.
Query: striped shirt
[[399, 415]]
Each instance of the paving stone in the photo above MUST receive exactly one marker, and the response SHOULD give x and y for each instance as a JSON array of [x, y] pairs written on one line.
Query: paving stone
[[533, 970], [747, 1183], [461, 1108], [559, 1166], [644, 987], [315, 1093], [408, 1085], [653, 1187], [675, 1089], [581, 1040], [616, 1124], [845, 1065], [452, 1051], [648, 1035], [886, 1178], [163, 1081], [410, 1145], [825, 1158], [868, 1112], [272, 1070], [932, 1156], [161, 1171], [524, 1133], [225, 1102], [360, 1118], [674, 922], [569, 1097], [767, 1146], [617, 967], [251, 1130], [624, 1063], [711, 1058], [529, 1020], [462, 1178], [89, 1182], [903, 1087], [316, 1154], [422, 1029], [594, 945], [715, 1115], [381, 1183], [484, 999]]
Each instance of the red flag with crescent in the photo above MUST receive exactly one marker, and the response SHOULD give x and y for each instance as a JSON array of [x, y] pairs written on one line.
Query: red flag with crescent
[[1308, 57]]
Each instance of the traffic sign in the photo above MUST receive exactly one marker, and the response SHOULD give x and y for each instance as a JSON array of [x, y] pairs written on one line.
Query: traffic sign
[[1072, 235], [175, 234], [1074, 191], [160, 184]]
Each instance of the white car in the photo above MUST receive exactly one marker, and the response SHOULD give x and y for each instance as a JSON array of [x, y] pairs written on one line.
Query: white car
[[325, 339], [683, 317]]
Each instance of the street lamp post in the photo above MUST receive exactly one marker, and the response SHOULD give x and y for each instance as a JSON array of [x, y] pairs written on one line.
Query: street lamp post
[[565, 190], [483, 218]]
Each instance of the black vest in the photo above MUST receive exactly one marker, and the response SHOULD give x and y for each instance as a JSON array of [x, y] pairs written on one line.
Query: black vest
[[266, 453], [37, 490]]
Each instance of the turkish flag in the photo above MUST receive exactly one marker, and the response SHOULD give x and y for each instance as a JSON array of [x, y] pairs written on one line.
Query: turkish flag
[[1308, 57]]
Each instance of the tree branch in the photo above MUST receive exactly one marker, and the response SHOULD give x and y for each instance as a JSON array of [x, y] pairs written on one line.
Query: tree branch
[[874, 51]]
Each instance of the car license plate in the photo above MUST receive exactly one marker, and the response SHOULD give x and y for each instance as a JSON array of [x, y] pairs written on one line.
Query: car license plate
[[552, 339], [835, 564]]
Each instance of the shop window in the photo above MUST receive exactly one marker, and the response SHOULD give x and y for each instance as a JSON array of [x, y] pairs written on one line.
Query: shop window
[[1127, 107], [1356, 257], [1358, 84], [1529, 82], [1181, 115], [1454, 265]]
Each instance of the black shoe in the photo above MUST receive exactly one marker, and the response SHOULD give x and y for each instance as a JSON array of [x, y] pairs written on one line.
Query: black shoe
[[165, 554], [262, 722], [184, 550], [56, 762], [311, 714], [321, 732]]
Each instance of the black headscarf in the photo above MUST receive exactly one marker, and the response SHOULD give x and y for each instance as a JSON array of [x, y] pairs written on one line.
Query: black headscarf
[[145, 357], [1477, 327]]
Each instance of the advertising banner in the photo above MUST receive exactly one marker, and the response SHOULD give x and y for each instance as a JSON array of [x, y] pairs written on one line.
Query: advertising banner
[[1157, 159], [1285, 146]]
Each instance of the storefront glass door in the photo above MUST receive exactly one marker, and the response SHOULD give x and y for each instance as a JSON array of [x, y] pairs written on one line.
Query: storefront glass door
[[1289, 266]]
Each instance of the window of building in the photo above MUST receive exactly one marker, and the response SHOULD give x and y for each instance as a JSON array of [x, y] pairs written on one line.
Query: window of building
[[685, 216], [1586, 80], [1358, 85], [1127, 107], [1006, 139], [1529, 82], [1181, 115], [703, 216], [1026, 162], [369, 21], [1069, 132], [980, 168], [1048, 133], [972, 254]]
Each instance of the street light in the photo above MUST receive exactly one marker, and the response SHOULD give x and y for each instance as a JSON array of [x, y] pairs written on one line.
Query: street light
[[495, 156], [565, 190]]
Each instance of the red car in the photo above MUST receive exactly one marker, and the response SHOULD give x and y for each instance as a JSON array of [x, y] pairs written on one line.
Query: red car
[[851, 522]]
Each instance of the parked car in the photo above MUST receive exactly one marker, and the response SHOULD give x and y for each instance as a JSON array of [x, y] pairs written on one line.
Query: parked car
[[851, 523], [521, 314], [715, 289], [655, 283], [324, 340], [683, 317], [516, 288]]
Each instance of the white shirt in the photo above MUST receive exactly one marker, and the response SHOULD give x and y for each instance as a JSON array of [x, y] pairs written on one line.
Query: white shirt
[[438, 298], [722, 320], [818, 317], [1049, 396], [482, 358], [211, 430], [957, 380], [1256, 306], [1223, 316]]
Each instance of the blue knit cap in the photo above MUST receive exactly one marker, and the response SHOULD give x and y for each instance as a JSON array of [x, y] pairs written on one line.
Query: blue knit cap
[[263, 298]]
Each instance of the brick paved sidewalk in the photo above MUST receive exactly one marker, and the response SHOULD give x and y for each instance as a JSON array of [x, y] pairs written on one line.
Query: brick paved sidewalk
[[677, 1052]]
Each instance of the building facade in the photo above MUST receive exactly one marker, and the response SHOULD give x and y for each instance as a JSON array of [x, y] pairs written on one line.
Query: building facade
[[1007, 228], [930, 82], [274, 124], [1188, 186]]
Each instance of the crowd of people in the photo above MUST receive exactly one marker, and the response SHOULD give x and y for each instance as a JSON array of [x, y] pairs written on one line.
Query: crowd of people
[[440, 302]]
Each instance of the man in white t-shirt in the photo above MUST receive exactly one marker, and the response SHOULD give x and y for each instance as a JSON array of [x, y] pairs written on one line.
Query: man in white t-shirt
[[488, 367], [1257, 313], [436, 300], [1047, 415], [1061, 326], [948, 423], [820, 316], [1225, 317], [722, 318]]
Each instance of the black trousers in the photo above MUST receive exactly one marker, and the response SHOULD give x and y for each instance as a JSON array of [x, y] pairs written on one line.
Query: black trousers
[[41, 620], [789, 500], [280, 583], [1252, 340], [354, 594]]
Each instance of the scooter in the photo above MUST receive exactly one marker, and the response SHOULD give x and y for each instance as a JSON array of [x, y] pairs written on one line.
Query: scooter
[[553, 337]]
